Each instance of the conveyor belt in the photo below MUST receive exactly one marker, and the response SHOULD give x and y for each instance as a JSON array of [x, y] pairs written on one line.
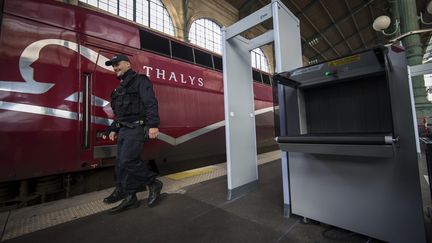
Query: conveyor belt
[[360, 140]]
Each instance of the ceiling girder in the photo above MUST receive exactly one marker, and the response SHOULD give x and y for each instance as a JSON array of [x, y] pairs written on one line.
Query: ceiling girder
[[316, 29], [341, 19], [355, 23], [336, 25]]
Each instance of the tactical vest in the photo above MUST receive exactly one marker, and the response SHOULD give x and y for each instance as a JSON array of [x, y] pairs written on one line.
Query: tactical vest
[[126, 102]]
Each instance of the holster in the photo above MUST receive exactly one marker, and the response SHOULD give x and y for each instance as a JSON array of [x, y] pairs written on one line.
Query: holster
[[146, 132], [135, 125]]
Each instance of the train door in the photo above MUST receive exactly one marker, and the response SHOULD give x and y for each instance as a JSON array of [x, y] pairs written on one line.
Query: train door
[[98, 82], [105, 82], [88, 64]]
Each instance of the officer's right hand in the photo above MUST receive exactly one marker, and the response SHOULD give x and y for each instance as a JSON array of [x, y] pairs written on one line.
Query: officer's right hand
[[112, 136]]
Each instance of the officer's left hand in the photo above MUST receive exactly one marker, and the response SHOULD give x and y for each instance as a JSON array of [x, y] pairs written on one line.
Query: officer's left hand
[[153, 132], [112, 136]]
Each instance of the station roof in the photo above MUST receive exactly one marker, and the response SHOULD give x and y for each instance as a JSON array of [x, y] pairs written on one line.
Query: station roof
[[334, 28]]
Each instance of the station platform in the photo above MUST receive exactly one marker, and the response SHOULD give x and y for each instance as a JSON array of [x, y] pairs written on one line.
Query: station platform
[[193, 209]]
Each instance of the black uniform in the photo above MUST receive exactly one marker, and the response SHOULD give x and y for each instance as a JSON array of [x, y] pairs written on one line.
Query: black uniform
[[136, 110]]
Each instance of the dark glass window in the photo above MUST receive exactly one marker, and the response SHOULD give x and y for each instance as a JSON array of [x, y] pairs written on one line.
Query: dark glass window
[[181, 51], [217, 63], [256, 76], [154, 43], [266, 79], [203, 58]]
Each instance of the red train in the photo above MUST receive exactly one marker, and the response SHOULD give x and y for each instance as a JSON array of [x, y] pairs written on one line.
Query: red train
[[55, 92]]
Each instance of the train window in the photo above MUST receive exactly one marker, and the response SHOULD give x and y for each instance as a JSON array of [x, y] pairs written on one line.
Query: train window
[[155, 43], [203, 58], [266, 79], [1, 14], [182, 51], [217, 63], [256, 76]]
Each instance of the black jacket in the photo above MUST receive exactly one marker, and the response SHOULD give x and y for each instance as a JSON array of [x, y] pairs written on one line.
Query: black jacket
[[134, 100]]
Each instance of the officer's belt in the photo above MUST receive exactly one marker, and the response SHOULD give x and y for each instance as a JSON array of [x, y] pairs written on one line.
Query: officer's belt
[[131, 124]]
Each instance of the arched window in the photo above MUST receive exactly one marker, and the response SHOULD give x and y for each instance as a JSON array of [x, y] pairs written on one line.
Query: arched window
[[427, 58], [207, 34], [151, 13], [259, 60]]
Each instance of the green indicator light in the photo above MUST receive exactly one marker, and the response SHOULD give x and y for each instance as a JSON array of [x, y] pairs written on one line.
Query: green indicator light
[[328, 73]]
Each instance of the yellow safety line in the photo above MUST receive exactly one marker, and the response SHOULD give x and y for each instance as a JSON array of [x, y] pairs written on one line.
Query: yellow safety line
[[190, 173]]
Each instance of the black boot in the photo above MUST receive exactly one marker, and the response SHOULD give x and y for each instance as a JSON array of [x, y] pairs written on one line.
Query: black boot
[[129, 202], [115, 196], [154, 194]]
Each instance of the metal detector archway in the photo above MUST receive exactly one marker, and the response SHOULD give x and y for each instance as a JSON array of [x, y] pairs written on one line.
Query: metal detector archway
[[240, 131]]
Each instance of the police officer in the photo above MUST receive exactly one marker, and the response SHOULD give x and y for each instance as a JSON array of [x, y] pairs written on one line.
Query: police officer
[[136, 110]]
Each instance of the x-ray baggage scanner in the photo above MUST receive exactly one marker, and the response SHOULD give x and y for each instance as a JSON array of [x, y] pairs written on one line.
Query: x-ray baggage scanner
[[347, 127]]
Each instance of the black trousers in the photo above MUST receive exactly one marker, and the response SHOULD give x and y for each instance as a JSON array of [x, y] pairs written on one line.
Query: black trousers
[[131, 172]]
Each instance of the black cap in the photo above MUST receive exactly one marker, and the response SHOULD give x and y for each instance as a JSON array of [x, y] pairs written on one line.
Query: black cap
[[117, 58]]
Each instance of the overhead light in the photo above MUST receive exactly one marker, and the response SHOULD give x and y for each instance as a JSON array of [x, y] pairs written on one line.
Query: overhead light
[[313, 61], [381, 23], [429, 7], [313, 42], [429, 10]]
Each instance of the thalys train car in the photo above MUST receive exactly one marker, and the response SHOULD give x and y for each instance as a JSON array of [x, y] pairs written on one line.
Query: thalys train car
[[55, 93]]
